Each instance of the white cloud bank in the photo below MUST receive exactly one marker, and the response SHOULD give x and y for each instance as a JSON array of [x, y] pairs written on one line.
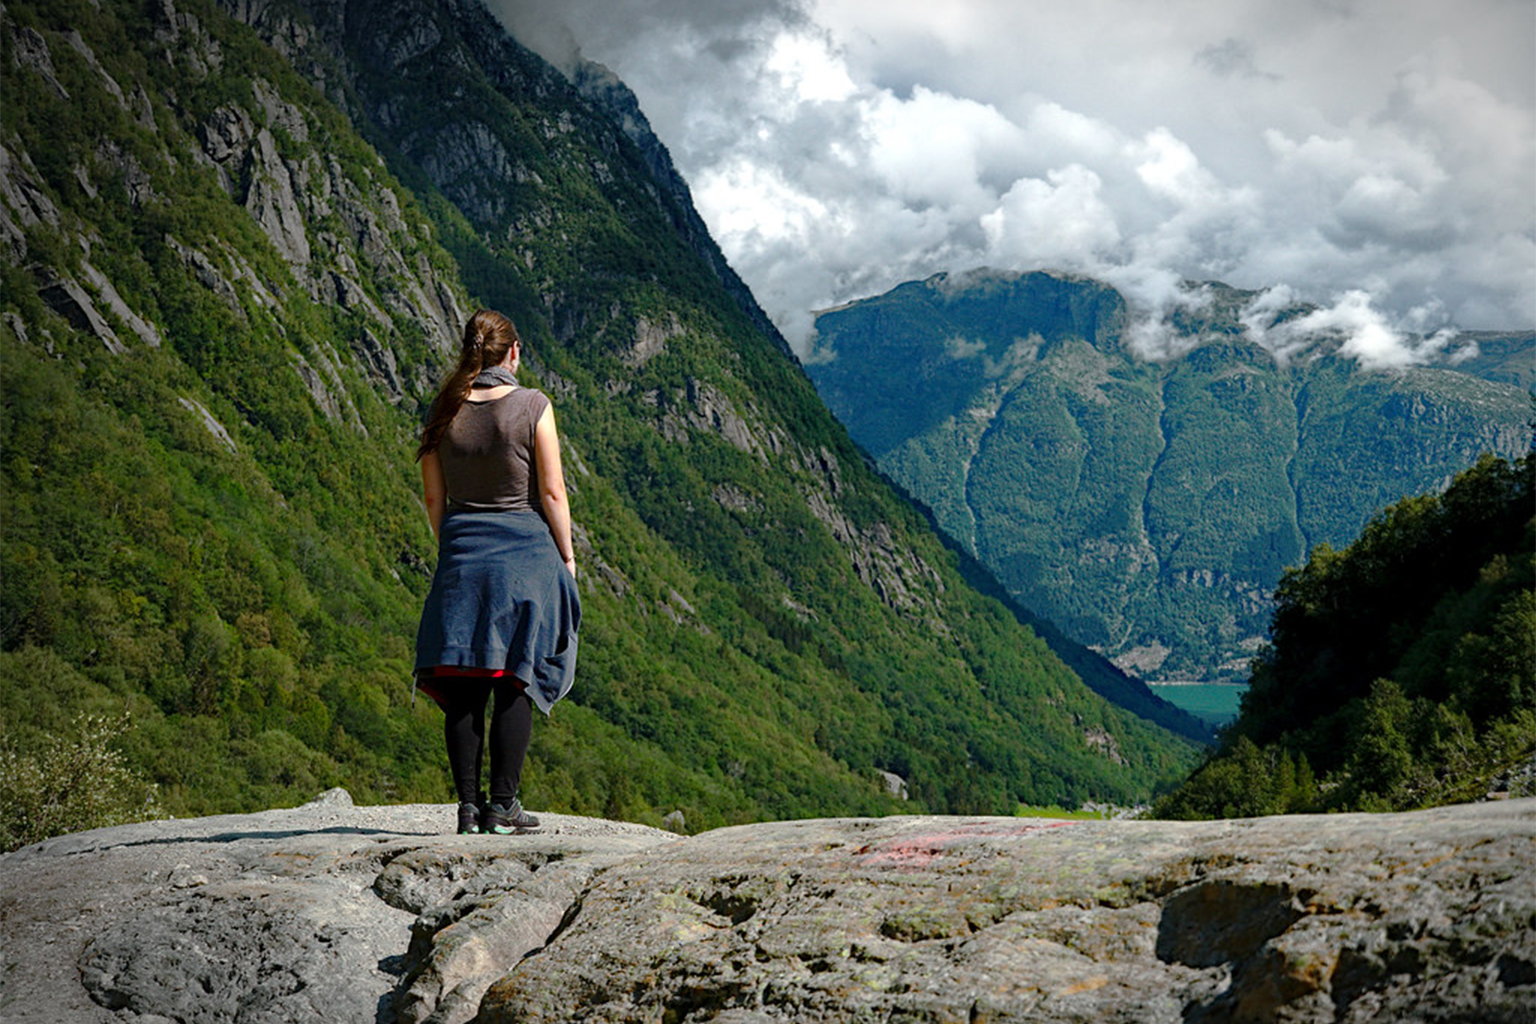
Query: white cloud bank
[[1376, 157]]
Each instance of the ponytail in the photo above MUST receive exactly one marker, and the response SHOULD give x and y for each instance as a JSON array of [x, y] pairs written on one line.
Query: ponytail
[[488, 336]]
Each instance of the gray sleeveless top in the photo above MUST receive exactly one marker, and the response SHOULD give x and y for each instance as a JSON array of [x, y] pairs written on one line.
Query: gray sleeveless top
[[487, 453]]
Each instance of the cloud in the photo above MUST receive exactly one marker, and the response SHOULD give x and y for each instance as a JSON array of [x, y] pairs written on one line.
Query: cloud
[[807, 67], [1231, 58], [1061, 221], [1365, 333], [958, 347], [1375, 158], [934, 148]]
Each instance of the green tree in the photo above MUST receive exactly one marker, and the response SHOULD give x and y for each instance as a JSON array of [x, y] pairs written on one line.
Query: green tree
[[1381, 762], [1403, 667]]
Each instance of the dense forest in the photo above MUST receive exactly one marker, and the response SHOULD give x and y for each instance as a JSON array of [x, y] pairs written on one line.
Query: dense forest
[[232, 275], [1402, 668]]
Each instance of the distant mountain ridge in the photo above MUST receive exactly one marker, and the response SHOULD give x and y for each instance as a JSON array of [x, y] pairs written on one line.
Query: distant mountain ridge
[[1148, 507]]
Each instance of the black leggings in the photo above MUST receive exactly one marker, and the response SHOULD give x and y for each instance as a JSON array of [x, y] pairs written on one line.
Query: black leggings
[[464, 700]]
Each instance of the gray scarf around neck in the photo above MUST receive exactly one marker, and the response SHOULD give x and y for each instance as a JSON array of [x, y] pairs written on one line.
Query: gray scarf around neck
[[493, 376]]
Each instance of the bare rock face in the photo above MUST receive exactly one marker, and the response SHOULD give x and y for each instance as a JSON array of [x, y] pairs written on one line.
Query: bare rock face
[[326, 912], [331, 912], [72, 302], [1427, 916]]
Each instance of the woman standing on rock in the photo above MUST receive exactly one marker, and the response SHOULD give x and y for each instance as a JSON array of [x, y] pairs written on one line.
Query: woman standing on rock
[[502, 614]]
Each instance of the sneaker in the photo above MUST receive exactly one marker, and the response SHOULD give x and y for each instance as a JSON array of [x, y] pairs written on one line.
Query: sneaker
[[507, 819], [469, 819]]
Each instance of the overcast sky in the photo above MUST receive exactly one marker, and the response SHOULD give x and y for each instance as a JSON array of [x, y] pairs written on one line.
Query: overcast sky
[[1377, 158]]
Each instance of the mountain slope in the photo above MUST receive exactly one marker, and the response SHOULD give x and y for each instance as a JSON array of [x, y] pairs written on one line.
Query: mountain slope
[[1148, 508], [224, 312], [1401, 673]]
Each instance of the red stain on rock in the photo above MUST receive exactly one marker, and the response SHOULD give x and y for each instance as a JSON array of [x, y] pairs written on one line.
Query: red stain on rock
[[921, 851]]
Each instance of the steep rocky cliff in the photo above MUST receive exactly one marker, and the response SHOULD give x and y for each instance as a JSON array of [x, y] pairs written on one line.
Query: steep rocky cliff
[[1148, 507], [336, 913]]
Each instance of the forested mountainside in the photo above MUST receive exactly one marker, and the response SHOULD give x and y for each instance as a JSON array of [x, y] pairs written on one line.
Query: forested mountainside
[[233, 272], [1146, 507], [1402, 672]]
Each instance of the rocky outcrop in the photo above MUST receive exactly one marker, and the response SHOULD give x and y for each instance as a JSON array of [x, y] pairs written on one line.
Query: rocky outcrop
[[341, 913], [21, 192], [326, 912], [1353, 918], [30, 50], [70, 301], [342, 230], [209, 422], [700, 405], [650, 339], [146, 331], [901, 579]]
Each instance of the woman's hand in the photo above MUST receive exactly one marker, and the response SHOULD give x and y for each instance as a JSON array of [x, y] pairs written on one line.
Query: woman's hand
[[570, 565]]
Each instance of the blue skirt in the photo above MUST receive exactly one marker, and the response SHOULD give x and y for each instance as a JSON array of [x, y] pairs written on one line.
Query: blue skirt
[[501, 598]]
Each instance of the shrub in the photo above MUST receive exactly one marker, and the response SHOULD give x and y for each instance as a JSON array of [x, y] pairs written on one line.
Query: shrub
[[72, 782]]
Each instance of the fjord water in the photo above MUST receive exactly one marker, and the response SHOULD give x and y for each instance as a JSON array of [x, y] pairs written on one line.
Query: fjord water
[[1216, 703]]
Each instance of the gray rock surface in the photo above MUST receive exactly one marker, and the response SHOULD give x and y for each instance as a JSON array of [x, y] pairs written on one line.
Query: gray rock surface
[[325, 912], [340, 913]]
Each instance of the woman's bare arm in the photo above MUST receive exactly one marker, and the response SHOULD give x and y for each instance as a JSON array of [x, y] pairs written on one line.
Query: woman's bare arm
[[434, 490], [557, 509]]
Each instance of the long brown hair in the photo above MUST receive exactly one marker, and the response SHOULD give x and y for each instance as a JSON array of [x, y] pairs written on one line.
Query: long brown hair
[[487, 338]]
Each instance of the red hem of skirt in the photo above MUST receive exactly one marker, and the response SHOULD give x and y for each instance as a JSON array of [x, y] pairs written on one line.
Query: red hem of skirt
[[427, 678]]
